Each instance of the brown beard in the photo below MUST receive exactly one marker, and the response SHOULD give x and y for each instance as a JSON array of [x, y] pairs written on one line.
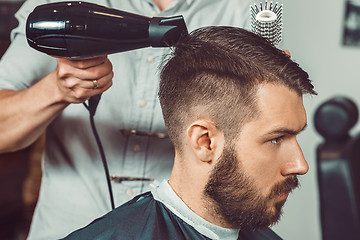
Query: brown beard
[[234, 196]]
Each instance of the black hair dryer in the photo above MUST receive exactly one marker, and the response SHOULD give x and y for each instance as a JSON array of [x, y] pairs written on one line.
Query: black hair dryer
[[81, 30]]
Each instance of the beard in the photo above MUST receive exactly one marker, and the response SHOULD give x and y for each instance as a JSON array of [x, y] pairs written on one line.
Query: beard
[[233, 195]]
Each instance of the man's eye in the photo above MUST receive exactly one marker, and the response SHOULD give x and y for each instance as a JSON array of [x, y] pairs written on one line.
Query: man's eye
[[276, 140]]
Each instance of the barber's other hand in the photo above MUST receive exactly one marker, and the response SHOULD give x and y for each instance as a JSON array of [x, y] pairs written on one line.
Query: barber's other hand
[[78, 80], [287, 52]]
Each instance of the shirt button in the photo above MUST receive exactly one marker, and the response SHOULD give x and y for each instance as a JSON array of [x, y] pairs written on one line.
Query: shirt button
[[130, 192], [150, 59], [143, 103], [136, 148]]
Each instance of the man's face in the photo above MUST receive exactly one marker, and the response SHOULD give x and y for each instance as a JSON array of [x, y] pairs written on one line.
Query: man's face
[[252, 179]]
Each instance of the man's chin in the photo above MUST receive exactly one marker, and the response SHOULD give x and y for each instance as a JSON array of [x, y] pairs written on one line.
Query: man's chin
[[268, 218], [276, 212]]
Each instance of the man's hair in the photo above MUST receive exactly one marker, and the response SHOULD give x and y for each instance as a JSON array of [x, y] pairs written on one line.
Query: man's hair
[[215, 72]]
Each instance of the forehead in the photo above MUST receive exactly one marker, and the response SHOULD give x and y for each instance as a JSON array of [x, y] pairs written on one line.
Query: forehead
[[279, 108]]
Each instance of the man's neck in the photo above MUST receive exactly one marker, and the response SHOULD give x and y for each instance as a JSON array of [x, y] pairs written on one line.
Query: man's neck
[[199, 205], [165, 194], [162, 4], [189, 183]]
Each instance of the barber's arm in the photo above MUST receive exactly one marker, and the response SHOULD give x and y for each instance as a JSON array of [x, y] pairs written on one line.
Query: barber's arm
[[25, 114]]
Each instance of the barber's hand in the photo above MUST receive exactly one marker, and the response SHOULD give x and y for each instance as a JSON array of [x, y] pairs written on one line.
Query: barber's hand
[[78, 80], [287, 52]]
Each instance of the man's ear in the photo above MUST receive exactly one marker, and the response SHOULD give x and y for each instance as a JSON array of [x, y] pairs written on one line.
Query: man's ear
[[205, 140]]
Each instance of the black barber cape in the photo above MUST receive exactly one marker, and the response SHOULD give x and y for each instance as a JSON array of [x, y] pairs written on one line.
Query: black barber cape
[[144, 218]]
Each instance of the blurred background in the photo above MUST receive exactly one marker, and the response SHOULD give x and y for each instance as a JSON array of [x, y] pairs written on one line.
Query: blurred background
[[322, 36]]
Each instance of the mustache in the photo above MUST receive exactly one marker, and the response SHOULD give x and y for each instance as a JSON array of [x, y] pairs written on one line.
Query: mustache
[[287, 186]]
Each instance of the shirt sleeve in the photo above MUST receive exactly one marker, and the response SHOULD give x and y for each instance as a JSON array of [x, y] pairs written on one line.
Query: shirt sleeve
[[21, 66]]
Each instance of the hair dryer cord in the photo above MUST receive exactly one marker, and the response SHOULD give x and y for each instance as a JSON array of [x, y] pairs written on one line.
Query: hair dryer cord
[[93, 102]]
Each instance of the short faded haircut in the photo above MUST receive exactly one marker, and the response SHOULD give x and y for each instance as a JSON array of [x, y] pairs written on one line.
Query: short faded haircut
[[215, 72]]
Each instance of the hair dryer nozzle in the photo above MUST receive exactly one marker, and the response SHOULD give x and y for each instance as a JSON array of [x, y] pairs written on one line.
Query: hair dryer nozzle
[[81, 29], [164, 32]]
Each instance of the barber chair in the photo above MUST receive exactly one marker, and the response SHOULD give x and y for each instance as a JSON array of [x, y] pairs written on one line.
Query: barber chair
[[338, 169]]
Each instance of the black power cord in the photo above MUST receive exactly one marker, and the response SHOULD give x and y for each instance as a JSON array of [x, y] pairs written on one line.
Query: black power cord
[[93, 103]]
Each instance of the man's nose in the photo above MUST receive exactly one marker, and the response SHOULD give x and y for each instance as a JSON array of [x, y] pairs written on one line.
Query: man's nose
[[295, 163]]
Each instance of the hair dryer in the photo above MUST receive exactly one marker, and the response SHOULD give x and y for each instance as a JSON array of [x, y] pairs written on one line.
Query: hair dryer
[[81, 30]]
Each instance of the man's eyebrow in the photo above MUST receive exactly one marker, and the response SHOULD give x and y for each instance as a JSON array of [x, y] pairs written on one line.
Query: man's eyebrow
[[287, 131]]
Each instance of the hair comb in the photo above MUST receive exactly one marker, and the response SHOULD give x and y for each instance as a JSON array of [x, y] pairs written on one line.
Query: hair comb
[[266, 21]]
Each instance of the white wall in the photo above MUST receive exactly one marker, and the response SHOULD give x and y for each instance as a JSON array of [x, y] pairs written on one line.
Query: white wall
[[313, 34]]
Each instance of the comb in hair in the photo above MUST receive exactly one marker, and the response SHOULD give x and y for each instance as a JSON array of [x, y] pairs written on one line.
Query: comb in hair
[[266, 21]]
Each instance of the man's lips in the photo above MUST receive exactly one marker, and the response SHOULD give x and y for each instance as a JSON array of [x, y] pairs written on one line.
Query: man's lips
[[282, 190]]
